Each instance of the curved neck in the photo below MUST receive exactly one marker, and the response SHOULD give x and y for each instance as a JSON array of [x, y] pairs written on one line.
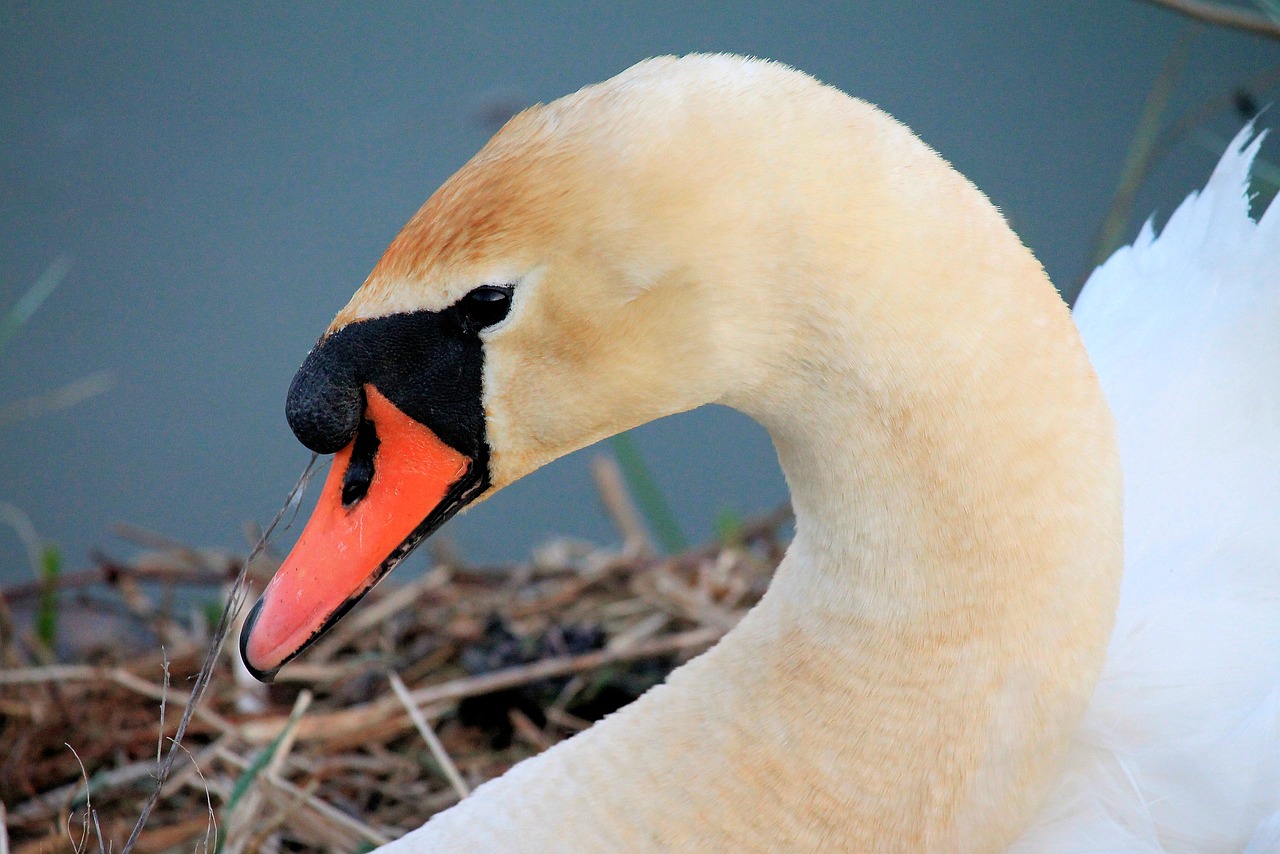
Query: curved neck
[[958, 548], [911, 678], [929, 643]]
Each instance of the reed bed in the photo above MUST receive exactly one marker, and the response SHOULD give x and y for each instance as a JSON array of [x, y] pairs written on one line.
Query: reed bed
[[426, 690]]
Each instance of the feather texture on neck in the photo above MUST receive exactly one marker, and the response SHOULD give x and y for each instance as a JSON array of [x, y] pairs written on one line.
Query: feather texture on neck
[[712, 229]]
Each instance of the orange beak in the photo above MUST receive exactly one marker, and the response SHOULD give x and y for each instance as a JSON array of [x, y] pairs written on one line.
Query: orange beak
[[372, 511]]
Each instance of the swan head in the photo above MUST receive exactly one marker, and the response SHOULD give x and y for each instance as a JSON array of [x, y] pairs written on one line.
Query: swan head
[[541, 300], [716, 229], [694, 230]]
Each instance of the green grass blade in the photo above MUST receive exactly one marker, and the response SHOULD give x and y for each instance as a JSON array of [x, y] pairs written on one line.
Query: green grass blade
[[729, 524], [243, 782], [648, 495], [47, 611]]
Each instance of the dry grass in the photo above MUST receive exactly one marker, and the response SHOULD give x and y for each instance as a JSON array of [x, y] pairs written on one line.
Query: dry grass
[[425, 691]]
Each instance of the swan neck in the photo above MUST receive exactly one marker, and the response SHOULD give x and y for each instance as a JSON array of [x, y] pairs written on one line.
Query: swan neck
[[932, 637], [957, 552]]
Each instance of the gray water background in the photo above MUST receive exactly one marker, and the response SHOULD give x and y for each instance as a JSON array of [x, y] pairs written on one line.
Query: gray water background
[[222, 177]]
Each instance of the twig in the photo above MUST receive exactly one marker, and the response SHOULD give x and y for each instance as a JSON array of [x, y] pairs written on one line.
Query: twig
[[277, 762], [125, 679], [761, 527], [429, 736], [164, 696], [8, 649], [1194, 119], [156, 540], [20, 522], [343, 723], [234, 602], [328, 811], [282, 816], [1223, 15], [290, 735], [51, 801], [354, 722], [528, 730], [61, 398], [209, 751], [474, 686], [344, 759], [57, 673], [563, 719], [643, 630], [617, 501], [247, 794], [88, 806], [109, 572], [644, 488], [211, 826]]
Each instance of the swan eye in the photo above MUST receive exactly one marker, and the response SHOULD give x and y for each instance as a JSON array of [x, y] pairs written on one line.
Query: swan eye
[[484, 307]]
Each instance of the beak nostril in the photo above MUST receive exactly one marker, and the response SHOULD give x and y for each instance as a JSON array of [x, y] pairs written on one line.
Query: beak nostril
[[359, 474]]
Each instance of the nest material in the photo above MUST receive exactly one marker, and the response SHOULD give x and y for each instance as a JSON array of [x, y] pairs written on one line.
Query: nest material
[[427, 690]]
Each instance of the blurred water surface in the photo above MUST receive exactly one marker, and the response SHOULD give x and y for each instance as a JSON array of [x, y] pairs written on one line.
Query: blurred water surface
[[222, 177]]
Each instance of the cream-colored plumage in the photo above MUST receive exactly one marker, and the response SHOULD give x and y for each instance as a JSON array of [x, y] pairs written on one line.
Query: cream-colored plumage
[[714, 229]]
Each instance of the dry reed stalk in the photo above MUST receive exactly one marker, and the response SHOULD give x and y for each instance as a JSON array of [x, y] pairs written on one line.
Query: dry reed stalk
[[242, 832], [503, 664], [429, 736], [64, 673], [549, 668], [612, 487]]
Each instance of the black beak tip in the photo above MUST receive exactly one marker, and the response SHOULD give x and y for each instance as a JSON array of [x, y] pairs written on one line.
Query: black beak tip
[[265, 676]]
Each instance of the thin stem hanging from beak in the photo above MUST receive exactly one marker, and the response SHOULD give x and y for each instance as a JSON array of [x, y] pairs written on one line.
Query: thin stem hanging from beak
[[235, 601]]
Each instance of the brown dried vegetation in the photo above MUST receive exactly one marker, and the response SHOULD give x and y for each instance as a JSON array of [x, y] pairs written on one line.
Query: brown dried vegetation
[[499, 662]]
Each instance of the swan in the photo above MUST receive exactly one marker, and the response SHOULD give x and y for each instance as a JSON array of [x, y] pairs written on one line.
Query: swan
[[926, 671]]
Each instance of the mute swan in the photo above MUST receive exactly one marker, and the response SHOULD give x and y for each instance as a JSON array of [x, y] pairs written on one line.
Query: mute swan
[[714, 228]]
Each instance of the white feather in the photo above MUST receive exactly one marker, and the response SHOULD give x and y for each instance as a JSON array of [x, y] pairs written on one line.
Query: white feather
[[1180, 750]]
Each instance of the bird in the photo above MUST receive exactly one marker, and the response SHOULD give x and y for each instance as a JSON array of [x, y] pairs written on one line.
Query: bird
[[937, 664]]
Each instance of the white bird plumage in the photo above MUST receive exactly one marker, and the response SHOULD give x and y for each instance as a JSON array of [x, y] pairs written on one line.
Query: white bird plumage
[[721, 229], [1180, 749]]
